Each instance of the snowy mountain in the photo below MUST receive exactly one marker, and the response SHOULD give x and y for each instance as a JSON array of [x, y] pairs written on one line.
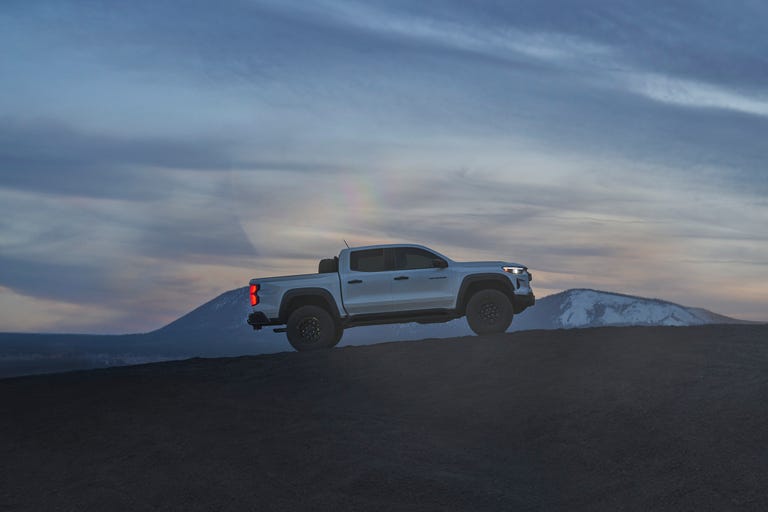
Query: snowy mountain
[[593, 308], [224, 315]]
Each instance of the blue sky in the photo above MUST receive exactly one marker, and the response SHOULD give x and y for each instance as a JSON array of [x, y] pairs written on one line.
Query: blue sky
[[154, 154]]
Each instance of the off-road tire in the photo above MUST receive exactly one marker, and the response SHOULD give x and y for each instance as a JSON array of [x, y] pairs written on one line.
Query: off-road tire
[[489, 312], [312, 328]]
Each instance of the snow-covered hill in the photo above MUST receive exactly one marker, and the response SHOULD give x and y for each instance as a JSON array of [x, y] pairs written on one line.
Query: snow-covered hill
[[592, 308], [227, 313], [588, 307]]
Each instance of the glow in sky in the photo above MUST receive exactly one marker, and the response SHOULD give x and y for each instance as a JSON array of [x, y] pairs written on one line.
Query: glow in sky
[[154, 154]]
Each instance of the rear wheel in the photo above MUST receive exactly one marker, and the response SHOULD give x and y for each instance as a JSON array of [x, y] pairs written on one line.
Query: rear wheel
[[312, 328], [489, 312]]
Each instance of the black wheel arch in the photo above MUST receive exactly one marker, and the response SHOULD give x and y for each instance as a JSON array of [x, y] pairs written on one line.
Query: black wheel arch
[[293, 299], [477, 282]]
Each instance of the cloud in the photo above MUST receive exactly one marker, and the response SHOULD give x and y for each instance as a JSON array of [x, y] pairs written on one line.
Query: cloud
[[463, 35], [57, 158], [79, 282], [194, 231], [688, 93]]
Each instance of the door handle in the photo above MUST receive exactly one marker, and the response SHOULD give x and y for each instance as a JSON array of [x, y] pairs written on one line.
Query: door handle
[[401, 278], [355, 281]]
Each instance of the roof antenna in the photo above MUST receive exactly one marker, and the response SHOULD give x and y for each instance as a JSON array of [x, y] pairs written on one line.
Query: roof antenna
[[345, 243]]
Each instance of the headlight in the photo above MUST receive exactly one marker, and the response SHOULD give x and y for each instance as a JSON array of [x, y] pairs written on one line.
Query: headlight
[[514, 270]]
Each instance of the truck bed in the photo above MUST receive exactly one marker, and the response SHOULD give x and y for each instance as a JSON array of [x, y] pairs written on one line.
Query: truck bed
[[297, 278]]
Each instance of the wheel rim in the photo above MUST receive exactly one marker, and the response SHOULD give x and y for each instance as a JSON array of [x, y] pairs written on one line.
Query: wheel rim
[[489, 312], [309, 329]]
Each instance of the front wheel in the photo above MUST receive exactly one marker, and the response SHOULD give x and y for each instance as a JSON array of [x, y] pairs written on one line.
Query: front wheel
[[312, 328], [489, 312]]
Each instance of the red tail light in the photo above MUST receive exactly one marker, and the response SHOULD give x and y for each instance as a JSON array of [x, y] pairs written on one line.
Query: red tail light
[[254, 294]]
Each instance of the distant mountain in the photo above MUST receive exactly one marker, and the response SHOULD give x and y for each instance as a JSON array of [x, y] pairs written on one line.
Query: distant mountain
[[218, 328], [593, 308], [223, 318]]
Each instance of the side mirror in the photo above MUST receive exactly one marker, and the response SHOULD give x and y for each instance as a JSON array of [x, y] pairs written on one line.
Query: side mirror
[[438, 263]]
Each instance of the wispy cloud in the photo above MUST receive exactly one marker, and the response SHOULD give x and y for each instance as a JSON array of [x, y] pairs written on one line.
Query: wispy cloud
[[56, 157], [498, 42], [694, 94]]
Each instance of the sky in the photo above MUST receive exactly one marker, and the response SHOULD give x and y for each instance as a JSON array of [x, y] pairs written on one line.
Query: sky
[[154, 154]]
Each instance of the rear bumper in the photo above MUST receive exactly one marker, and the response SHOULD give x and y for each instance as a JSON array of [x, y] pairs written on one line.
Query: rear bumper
[[258, 319], [523, 302]]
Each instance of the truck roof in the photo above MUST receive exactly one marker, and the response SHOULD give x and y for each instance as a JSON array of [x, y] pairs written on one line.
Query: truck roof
[[389, 246], [386, 246]]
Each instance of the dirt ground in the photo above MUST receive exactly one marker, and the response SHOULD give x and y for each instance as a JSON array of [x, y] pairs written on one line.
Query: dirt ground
[[595, 419]]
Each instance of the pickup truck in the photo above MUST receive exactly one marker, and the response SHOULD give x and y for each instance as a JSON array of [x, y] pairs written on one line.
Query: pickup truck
[[382, 284]]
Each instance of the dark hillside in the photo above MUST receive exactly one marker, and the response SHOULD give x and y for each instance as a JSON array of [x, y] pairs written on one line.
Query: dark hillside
[[630, 418]]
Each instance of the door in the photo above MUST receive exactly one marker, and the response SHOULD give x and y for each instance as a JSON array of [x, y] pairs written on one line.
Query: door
[[367, 287], [418, 283]]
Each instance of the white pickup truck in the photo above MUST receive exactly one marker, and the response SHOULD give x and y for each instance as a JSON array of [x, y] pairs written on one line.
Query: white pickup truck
[[384, 284]]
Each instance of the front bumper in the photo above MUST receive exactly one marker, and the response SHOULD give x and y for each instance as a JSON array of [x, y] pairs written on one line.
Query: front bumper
[[524, 301]]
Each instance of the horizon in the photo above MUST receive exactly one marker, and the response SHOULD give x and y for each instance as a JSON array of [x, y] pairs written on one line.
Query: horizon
[[152, 158], [244, 289]]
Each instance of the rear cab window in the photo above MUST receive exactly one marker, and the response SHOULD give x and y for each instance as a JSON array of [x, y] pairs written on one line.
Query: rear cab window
[[368, 260]]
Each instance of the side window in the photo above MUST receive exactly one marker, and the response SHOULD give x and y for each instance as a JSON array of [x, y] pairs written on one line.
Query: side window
[[412, 258], [370, 260]]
